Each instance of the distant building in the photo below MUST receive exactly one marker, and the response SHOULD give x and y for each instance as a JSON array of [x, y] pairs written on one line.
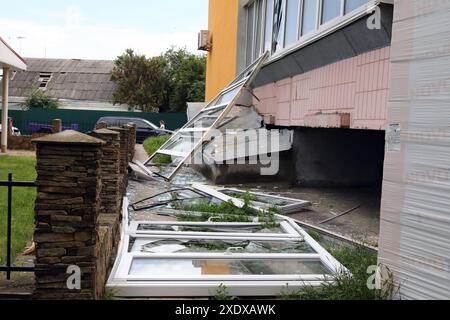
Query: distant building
[[79, 84]]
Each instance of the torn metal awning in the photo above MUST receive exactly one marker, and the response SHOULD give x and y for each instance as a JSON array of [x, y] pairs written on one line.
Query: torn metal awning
[[185, 143]]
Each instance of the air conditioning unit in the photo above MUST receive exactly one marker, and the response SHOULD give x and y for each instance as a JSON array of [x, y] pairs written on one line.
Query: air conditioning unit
[[204, 40]]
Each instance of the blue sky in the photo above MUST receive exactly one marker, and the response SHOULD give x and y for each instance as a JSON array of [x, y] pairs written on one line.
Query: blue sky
[[101, 29]]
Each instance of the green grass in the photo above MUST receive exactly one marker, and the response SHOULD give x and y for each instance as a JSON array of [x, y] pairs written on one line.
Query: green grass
[[23, 169], [346, 287], [151, 145], [227, 212]]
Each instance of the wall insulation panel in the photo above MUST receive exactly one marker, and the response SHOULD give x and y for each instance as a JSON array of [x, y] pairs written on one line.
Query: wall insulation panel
[[415, 218]]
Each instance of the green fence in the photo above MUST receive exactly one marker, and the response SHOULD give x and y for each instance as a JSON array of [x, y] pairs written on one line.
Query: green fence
[[85, 120]]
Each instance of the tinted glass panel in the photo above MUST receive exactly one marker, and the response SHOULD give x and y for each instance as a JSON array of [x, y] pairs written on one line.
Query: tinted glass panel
[[330, 10], [170, 268], [351, 5], [259, 21], [309, 16], [250, 29], [292, 15], [220, 246]]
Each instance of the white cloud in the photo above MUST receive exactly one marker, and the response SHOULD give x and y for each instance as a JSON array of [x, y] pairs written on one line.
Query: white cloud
[[74, 38]]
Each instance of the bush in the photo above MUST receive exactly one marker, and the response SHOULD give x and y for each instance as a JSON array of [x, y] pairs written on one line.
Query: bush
[[37, 98]]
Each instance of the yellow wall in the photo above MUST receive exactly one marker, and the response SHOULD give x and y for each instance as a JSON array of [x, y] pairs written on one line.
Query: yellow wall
[[221, 60]]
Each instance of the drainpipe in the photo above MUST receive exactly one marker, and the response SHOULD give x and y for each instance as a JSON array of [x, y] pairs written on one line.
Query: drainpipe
[[5, 83]]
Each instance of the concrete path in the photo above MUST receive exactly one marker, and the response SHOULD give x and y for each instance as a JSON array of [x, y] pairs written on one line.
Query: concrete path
[[140, 154]]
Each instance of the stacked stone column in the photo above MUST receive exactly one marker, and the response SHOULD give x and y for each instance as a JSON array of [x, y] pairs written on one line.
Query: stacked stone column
[[132, 142], [124, 135], [110, 197], [67, 207]]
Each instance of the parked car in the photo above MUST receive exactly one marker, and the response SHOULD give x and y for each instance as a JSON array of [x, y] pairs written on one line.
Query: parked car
[[16, 132], [34, 127], [144, 128]]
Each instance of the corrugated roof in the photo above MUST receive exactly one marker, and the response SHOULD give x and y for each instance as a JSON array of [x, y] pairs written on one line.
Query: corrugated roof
[[70, 79]]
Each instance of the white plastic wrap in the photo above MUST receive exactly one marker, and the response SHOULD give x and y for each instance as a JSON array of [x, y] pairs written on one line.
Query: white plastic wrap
[[415, 218]]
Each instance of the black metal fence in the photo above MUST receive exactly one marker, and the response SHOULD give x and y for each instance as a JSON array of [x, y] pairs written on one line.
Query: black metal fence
[[10, 184]]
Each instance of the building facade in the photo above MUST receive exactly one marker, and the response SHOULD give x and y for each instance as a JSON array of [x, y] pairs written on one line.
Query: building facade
[[327, 78]]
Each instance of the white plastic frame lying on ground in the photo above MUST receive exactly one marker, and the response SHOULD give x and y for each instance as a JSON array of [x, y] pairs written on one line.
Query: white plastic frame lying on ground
[[191, 259], [188, 140], [260, 201], [263, 200]]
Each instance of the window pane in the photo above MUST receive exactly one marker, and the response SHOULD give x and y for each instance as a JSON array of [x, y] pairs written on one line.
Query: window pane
[[198, 268], [309, 16], [250, 19], [268, 26], [331, 9], [292, 15], [278, 25], [259, 21], [351, 5]]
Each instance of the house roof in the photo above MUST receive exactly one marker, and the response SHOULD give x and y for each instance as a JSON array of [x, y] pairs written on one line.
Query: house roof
[[8, 57], [72, 79]]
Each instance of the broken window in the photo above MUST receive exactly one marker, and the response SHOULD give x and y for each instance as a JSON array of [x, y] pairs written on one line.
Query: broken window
[[44, 79], [278, 25], [186, 142], [182, 259]]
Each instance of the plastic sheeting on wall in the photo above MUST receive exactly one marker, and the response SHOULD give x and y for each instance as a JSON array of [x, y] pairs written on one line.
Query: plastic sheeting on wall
[[415, 218]]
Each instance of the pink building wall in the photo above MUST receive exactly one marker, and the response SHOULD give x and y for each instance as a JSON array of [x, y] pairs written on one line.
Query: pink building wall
[[349, 93]]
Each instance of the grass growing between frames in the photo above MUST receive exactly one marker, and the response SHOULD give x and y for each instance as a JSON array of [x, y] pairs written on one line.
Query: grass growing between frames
[[23, 169], [151, 145], [347, 287]]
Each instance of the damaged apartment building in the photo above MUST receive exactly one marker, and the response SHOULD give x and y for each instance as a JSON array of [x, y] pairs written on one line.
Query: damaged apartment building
[[327, 79], [362, 85]]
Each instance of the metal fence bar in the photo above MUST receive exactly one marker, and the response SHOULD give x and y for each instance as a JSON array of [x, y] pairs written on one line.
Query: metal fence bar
[[10, 184], [8, 229]]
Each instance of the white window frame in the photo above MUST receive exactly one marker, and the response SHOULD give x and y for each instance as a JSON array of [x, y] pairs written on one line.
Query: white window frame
[[287, 229], [321, 29], [126, 285], [294, 206]]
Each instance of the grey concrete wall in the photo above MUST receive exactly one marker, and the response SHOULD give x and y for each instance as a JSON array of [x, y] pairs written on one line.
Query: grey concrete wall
[[338, 157]]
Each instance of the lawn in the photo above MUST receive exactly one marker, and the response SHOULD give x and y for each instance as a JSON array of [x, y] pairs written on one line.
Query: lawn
[[151, 145], [23, 169]]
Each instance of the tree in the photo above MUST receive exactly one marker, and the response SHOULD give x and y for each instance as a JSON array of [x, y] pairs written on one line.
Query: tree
[[186, 74], [140, 81], [35, 97], [163, 83]]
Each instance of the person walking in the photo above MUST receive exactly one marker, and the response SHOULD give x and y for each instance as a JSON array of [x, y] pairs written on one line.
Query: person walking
[[162, 125]]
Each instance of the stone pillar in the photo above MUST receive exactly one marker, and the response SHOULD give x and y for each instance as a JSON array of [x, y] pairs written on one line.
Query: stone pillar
[[110, 197], [132, 144], [56, 125], [123, 155], [67, 206]]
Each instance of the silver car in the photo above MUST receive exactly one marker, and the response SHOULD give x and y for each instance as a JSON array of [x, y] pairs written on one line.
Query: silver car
[[16, 132]]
